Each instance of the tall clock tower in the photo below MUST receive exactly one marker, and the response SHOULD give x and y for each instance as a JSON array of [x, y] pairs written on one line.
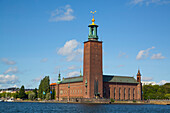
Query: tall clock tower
[[92, 64]]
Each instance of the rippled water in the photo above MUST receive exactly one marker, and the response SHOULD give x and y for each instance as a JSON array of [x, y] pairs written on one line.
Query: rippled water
[[14, 107]]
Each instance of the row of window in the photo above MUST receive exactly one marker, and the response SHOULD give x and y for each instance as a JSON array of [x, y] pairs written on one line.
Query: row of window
[[71, 91], [124, 93]]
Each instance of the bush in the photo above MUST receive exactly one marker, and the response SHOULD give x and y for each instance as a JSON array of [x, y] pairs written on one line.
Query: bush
[[48, 96], [31, 96], [134, 100], [112, 100]]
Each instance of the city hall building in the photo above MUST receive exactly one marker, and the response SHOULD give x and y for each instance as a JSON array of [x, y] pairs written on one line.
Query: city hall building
[[93, 84]]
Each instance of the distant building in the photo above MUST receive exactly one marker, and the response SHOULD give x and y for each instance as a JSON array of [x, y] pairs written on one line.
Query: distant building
[[93, 83]]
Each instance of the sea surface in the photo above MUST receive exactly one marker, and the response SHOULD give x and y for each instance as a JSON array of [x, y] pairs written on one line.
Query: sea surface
[[26, 107]]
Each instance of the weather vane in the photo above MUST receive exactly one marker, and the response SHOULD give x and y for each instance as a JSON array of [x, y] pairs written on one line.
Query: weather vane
[[93, 17]]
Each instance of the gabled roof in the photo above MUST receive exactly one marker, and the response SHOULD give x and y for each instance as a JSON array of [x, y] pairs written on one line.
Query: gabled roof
[[119, 79], [72, 79], [52, 84]]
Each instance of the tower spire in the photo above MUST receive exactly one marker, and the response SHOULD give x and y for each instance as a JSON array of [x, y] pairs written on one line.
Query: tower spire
[[59, 78], [93, 29], [93, 20]]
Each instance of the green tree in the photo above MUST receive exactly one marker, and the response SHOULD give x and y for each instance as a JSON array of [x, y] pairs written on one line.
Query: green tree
[[53, 95], [31, 96], [44, 87], [48, 96], [36, 93], [22, 94]]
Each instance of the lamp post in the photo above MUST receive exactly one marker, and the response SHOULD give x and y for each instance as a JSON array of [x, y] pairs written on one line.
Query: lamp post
[[44, 94], [51, 93], [68, 92]]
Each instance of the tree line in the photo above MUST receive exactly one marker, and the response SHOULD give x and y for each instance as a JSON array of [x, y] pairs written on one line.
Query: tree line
[[44, 92], [156, 91]]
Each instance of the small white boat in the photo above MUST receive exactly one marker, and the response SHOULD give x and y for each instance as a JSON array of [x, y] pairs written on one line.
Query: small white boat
[[1, 100], [10, 100]]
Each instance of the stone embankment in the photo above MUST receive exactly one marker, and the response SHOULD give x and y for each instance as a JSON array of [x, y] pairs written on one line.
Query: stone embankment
[[101, 101], [161, 102]]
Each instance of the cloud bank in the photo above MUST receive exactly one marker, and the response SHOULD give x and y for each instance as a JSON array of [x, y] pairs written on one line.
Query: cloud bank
[[62, 14], [148, 2], [71, 50]]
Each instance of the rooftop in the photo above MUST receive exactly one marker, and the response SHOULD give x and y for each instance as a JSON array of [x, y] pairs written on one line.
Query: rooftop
[[119, 79]]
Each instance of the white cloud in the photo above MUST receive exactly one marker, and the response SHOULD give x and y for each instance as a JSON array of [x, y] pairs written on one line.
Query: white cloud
[[11, 70], [44, 60], [147, 78], [8, 62], [143, 53], [71, 74], [148, 2], [62, 14], [157, 56], [37, 79], [162, 82], [71, 50], [8, 79], [72, 67]]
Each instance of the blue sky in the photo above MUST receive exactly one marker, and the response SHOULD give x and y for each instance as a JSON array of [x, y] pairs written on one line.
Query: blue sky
[[40, 37]]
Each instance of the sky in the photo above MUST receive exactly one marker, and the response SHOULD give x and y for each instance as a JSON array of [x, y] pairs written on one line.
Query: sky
[[42, 37]]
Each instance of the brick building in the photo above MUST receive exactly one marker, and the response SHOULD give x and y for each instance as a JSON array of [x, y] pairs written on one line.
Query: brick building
[[93, 83]]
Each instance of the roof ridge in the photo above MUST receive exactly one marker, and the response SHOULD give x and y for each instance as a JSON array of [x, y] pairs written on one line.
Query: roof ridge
[[118, 76], [73, 77]]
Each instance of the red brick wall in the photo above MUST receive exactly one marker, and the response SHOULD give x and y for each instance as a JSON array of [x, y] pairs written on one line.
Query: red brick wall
[[109, 88], [92, 67], [75, 90]]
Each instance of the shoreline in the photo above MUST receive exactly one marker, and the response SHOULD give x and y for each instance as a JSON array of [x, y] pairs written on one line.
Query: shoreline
[[116, 103]]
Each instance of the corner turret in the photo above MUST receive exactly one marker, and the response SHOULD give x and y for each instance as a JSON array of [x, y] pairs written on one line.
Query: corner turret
[[59, 78]]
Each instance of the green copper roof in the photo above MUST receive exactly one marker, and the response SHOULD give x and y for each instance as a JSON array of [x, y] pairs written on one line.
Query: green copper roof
[[119, 79], [106, 78], [72, 79]]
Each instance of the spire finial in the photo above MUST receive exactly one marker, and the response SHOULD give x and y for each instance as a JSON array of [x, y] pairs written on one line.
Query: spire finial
[[80, 73], [93, 20]]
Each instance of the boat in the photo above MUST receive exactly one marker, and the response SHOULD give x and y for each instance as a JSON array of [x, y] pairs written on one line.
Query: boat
[[10, 100], [1, 100]]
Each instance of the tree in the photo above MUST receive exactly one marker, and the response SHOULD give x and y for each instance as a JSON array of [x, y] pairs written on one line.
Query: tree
[[31, 96], [53, 95], [44, 87], [36, 94], [22, 94], [48, 96]]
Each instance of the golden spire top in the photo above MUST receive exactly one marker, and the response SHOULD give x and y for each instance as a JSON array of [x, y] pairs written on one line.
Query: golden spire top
[[93, 20]]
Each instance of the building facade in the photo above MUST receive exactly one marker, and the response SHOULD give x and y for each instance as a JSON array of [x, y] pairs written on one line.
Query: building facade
[[93, 84]]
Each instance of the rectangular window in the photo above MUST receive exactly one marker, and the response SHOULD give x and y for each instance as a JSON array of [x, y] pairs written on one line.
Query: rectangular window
[[114, 92], [119, 93], [124, 93], [133, 93], [129, 94]]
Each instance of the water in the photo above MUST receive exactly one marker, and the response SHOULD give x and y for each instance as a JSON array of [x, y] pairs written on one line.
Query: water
[[14, 107]]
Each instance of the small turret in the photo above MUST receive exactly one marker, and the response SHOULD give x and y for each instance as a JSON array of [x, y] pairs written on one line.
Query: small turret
[[138, 76], [80, 73], [59, 78]]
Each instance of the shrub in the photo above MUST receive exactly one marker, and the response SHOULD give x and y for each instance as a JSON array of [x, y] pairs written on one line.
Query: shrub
[[112, 100]]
